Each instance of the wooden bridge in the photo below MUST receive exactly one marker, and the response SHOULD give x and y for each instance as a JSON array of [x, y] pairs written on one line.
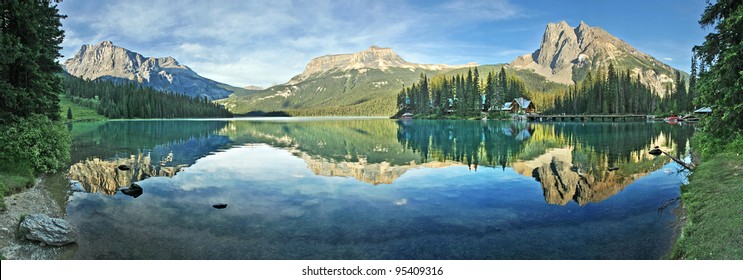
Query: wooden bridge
[[585, 117]]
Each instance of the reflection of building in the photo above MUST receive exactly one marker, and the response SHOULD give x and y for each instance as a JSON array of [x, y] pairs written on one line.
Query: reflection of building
[[103, 176], [518, 132]]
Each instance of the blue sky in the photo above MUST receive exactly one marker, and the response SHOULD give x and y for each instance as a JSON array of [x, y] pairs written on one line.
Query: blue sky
[[267, 42]]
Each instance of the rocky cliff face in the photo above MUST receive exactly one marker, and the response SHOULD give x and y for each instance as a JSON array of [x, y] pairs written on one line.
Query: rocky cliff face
[[567, 54], [107, 61]]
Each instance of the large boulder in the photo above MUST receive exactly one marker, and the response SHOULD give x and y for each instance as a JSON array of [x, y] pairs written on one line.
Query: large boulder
[[51, 231]]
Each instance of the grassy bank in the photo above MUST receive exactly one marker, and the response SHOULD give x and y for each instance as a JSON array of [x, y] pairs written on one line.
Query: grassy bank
[[79, 113], [714, 203], [13, 179]]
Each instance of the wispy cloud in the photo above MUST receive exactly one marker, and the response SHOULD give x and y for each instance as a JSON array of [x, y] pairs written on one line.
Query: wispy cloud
[[483, 9], [668, 59]]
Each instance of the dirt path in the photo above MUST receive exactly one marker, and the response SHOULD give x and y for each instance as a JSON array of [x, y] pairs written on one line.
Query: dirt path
[[31, 201]]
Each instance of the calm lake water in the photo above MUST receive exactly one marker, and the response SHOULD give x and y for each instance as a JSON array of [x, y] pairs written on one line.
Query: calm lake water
[[313, 188]]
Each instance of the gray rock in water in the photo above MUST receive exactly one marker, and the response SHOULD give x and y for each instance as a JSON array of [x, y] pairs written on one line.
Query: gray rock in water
[[51, 231], [134, 190]]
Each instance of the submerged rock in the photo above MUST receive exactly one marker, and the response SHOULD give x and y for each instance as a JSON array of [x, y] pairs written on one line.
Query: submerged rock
[[655, 151], [47, 230], [134, 191], [220, 205]]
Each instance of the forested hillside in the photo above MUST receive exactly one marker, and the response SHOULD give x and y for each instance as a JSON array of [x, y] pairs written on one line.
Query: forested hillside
[[130, 100]]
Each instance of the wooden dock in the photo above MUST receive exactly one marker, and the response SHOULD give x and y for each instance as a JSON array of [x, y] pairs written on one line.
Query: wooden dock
[[583, 118]]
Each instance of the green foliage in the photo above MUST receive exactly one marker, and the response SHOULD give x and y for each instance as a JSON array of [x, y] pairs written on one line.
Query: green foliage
[[32, 139], [29, 43], [41, 142], [133, 101], [69, 113], [721, 87]]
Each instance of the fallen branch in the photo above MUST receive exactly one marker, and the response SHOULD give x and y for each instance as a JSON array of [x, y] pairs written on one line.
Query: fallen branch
[[679, 161]]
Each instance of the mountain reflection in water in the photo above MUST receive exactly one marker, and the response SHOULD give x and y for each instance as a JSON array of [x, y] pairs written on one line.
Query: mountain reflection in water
[[571, 161]]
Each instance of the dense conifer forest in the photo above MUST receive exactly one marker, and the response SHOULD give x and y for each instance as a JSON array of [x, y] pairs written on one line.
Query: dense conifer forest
[[608, 92], [129, 100], [460, 95]]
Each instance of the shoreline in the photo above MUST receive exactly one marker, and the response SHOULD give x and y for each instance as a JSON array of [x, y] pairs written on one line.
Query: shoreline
[[712, 228], [36, 199]]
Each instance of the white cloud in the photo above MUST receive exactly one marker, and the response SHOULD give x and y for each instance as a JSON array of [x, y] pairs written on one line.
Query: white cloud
[[668, 59]]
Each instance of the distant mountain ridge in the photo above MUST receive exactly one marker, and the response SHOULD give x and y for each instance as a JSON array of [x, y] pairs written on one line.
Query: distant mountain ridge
[[359, 83], [567, 54], [107, 61]]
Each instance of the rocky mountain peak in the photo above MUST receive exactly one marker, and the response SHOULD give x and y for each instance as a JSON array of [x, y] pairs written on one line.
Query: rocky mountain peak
[[374, 57], [108, 61], [567, 53]]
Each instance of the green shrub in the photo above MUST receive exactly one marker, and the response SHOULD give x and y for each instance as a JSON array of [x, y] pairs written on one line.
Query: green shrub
[[43, 143], [710, 145]]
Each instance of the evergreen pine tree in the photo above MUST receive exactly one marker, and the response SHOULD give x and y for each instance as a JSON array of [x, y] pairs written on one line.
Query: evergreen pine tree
[[721, 86], [692, 83]]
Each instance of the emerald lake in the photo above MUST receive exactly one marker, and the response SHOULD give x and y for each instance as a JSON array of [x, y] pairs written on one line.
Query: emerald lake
[[359, 188]]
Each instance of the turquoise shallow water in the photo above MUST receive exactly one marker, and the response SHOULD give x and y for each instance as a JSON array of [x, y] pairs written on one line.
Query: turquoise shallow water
[[375, 189]]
